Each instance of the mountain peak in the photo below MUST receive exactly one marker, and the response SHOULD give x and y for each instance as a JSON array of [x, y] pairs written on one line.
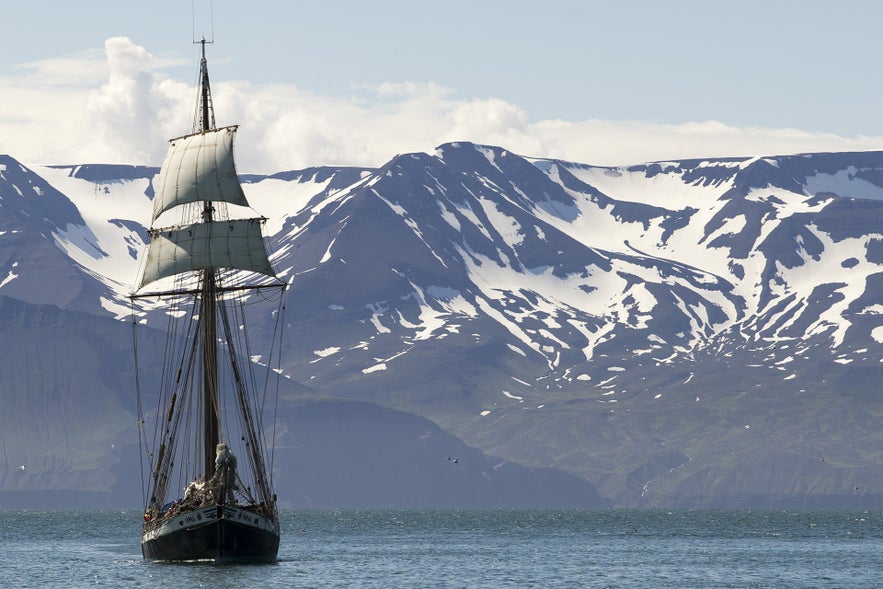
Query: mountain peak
[[548, 312]]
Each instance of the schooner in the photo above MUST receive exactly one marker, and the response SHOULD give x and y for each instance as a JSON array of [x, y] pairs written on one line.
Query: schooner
[[208, 485]]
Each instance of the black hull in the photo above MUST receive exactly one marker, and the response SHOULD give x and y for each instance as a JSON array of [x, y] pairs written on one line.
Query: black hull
[[213, 533]]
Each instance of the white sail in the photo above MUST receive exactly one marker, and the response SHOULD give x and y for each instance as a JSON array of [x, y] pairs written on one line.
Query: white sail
[[199, 167], [236, 244]]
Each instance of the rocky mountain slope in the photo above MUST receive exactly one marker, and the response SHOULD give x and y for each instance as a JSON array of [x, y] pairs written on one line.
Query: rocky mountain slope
[[693, 333]]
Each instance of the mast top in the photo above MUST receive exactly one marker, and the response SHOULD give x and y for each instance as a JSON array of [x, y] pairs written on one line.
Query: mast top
[[202, 42], [204, 119]]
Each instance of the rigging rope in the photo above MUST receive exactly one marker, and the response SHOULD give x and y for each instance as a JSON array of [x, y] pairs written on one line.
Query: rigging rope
[[280, 321], [142, 442]]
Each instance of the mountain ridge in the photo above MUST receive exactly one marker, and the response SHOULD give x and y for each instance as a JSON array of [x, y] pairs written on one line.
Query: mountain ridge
[[663, 331]]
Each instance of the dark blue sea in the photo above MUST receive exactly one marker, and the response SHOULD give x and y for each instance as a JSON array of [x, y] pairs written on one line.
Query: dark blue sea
[[472, 548]]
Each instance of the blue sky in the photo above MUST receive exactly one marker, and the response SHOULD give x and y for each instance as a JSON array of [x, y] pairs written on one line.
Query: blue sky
[[355, 82]]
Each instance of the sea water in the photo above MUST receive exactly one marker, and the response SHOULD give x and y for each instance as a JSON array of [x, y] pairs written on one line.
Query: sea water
[[469, 549]]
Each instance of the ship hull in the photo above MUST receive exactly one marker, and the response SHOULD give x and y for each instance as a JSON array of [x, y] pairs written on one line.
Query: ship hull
[[215, 533]]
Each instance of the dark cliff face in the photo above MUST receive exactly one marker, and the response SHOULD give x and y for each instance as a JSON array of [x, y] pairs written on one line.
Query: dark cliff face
[[664, 332]]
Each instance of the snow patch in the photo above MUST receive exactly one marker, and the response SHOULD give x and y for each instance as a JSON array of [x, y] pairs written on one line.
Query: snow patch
[[517, 350], [327, 255], [511, 396], [377, 312], [9, 278], [324, 353], [843, 183]]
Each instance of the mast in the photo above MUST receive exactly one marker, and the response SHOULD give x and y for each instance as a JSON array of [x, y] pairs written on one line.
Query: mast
[[199, 171], [205, 119], [208, 312]]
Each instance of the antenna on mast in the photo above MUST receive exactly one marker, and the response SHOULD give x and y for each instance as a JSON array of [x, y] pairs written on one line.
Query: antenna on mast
[[211, 11]]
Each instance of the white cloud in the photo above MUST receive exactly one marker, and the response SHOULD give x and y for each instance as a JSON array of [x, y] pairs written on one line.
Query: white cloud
[[86, 67], [119, 107], [626, 142], [131, 112], [91, 107]]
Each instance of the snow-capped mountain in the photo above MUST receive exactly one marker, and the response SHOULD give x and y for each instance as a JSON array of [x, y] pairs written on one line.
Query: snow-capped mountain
[[664, 331]]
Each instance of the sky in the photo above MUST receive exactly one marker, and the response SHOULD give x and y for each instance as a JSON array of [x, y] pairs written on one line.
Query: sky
[[352, 82]]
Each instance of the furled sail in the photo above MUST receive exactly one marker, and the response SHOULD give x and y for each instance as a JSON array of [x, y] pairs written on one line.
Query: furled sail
[[199, 167], [235, 244]]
